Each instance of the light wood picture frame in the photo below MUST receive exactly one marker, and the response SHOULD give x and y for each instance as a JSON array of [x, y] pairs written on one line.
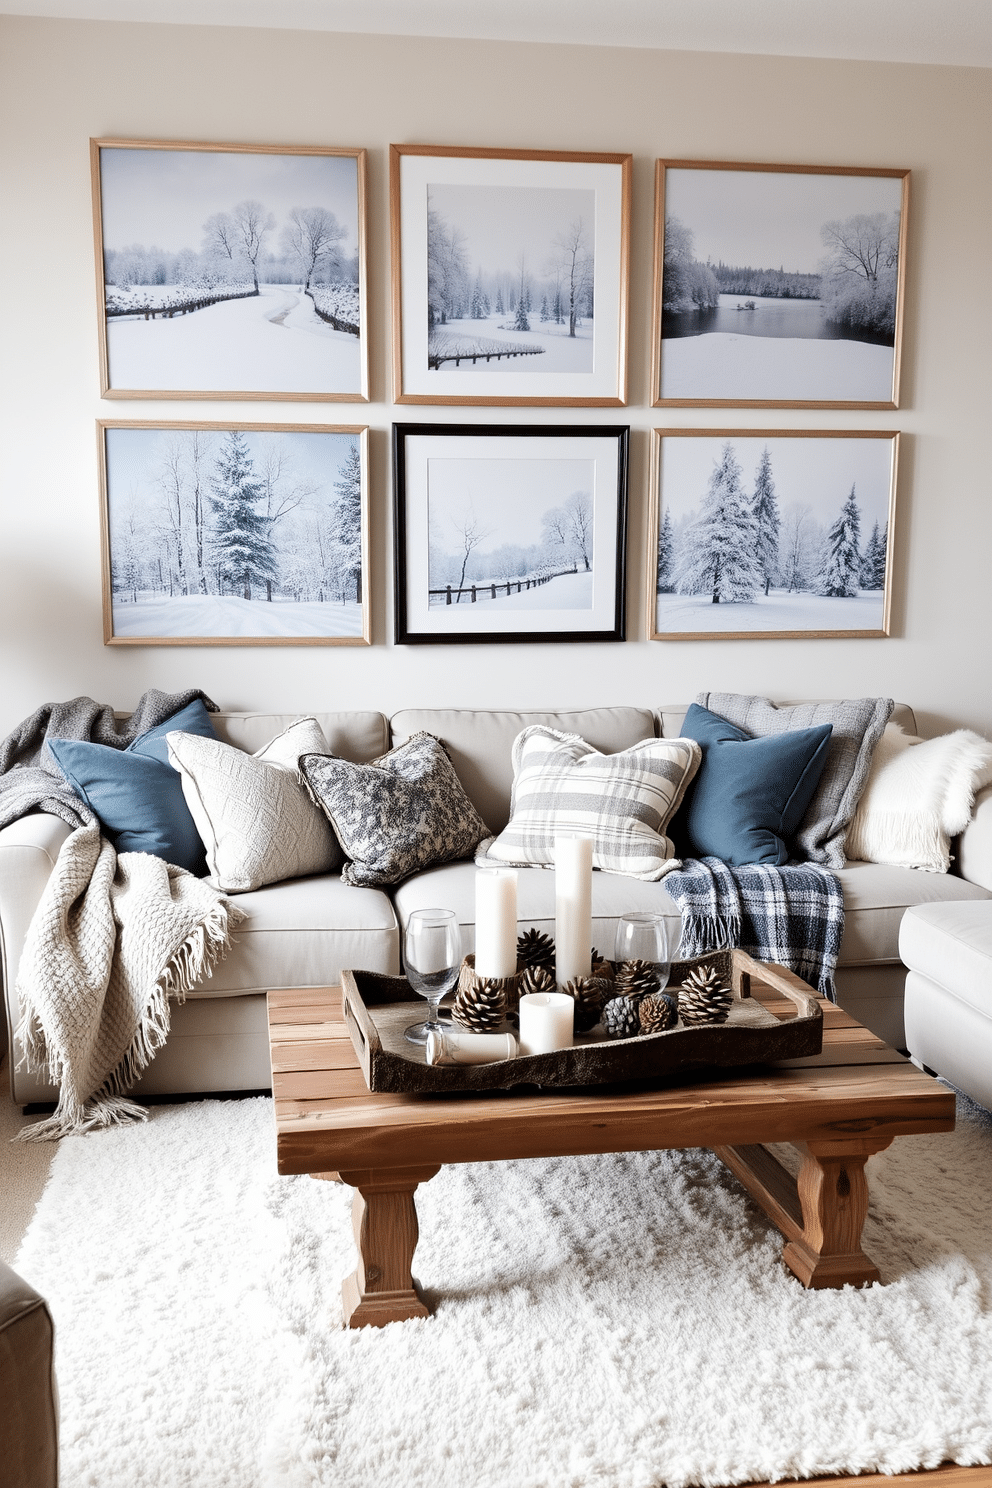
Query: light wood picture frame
[[228, 271], [234, 534], [778, 286], [509, 532], [510, 276], [762, 534]]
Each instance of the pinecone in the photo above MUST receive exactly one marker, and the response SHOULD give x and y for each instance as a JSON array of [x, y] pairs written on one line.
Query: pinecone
[[587, 994], [480, 1006], [637, 979], [535, 949], [601, 967], [704, 998], [620, 1018], [657, 1012], [535, 979]]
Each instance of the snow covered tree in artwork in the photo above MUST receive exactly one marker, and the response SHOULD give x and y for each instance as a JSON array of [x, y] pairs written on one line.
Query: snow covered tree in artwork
[[241, 543], [666, 556], [349, 520], [873, 561], [841, 577], [719, 555], [767, 518]]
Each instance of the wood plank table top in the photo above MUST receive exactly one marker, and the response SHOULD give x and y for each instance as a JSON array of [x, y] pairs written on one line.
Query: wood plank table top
[[836, 1108]]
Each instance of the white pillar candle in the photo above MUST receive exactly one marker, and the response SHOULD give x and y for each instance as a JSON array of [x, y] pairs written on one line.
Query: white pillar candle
[[573, 908], [546, 1022], [496, 922]]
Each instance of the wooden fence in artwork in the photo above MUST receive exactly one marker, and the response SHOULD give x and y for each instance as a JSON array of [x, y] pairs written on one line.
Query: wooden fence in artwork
[[443, 349], [149, 311], [494, 589]]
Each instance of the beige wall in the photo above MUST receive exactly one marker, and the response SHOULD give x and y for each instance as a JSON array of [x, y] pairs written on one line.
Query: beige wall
[[61, 82]]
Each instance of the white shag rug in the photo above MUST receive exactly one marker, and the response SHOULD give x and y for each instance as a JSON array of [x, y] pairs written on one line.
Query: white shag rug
[[602, 1322]]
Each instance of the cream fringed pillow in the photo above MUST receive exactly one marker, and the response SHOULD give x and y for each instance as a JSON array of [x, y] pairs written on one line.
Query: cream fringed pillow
[[624, 801], [257, 821], [919, 795]]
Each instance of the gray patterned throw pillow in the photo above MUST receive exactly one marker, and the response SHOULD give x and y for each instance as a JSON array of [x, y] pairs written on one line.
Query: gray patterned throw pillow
[[404, 812], [857, 727]]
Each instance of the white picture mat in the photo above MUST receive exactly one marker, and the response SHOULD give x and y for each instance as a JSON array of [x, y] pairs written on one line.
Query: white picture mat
[[602, 454], [417, 172]]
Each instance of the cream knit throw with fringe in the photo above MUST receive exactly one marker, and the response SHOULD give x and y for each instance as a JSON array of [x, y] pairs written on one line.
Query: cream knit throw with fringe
[[112, 939]]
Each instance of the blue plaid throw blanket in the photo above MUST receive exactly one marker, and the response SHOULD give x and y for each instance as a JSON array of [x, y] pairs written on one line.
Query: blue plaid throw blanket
[[793, 916]]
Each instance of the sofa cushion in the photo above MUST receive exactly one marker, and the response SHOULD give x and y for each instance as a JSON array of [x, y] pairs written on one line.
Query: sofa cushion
[[857, 727], [256, 820], [400, 814], [749, 795], [623, 801], [951, 944], [360, 735], [876, 896], [301, 933], [136, 794], [480, 743]]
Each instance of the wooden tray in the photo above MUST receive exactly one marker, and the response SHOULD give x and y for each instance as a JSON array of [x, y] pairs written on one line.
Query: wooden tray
[[378, 1008]]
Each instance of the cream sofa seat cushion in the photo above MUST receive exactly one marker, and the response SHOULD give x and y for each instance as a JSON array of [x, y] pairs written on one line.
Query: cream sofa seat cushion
[[480, 743], [301, 933], [876, 896], [951, 944]]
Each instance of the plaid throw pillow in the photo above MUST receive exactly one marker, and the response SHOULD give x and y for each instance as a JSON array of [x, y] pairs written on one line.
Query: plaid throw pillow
[[562, 785], [405, 811]]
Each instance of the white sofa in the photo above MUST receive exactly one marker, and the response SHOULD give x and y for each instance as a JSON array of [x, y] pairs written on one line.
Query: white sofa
[[301, 932]]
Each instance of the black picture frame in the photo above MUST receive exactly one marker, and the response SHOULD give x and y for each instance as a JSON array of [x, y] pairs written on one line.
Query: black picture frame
[[557, 518]]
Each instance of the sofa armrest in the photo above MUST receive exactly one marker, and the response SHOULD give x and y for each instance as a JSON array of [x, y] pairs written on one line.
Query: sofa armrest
[[28, 850], [973, 849]]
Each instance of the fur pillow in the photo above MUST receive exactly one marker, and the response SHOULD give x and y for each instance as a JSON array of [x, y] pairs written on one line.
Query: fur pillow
[[404, 812], [257, 822], [624, 801], [920, 794]]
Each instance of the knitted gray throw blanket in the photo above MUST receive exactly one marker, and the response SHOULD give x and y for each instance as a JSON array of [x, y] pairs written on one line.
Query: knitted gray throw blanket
[[30, 779], [793, 916], [111, 941]]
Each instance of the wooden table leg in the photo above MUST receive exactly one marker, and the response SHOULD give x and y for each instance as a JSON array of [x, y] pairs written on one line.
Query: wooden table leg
[[381, 1289], [822, 1213]]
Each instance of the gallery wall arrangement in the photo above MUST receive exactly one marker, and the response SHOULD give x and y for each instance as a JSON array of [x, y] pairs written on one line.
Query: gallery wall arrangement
[[231, 271]]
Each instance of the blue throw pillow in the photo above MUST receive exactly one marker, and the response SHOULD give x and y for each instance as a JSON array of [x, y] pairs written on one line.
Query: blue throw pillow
[[136, 793], [749, 795]]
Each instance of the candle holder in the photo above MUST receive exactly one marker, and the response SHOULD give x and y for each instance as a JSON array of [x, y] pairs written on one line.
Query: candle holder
[[484, 1004]]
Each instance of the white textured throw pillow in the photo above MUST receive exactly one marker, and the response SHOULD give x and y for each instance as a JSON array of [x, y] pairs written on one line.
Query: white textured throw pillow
[[920, 794], [624, 801], [257, 821]]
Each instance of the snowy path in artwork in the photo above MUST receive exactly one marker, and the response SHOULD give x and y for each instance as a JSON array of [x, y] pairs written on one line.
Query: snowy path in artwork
[[237, 346], [209, 615], [721, 365], [780, 611]]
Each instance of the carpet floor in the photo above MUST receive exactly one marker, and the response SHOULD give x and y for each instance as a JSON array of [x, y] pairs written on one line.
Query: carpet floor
[[602, 1322]]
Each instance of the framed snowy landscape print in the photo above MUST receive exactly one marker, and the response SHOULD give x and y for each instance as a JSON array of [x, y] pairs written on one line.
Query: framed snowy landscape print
[[230, 271], [757, 534], [234, 534], [778, 286], [509, 532], [509, 276]]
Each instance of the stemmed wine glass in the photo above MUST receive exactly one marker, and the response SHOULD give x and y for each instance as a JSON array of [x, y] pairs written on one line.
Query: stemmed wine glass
[[433, 956], [651, 938]]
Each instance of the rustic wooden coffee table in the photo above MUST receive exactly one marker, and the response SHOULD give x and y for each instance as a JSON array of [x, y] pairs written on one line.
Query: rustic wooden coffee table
[[836, 1109]]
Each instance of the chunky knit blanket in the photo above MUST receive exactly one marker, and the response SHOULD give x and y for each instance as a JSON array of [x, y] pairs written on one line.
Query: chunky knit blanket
[[793, 916], [111, 941]]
